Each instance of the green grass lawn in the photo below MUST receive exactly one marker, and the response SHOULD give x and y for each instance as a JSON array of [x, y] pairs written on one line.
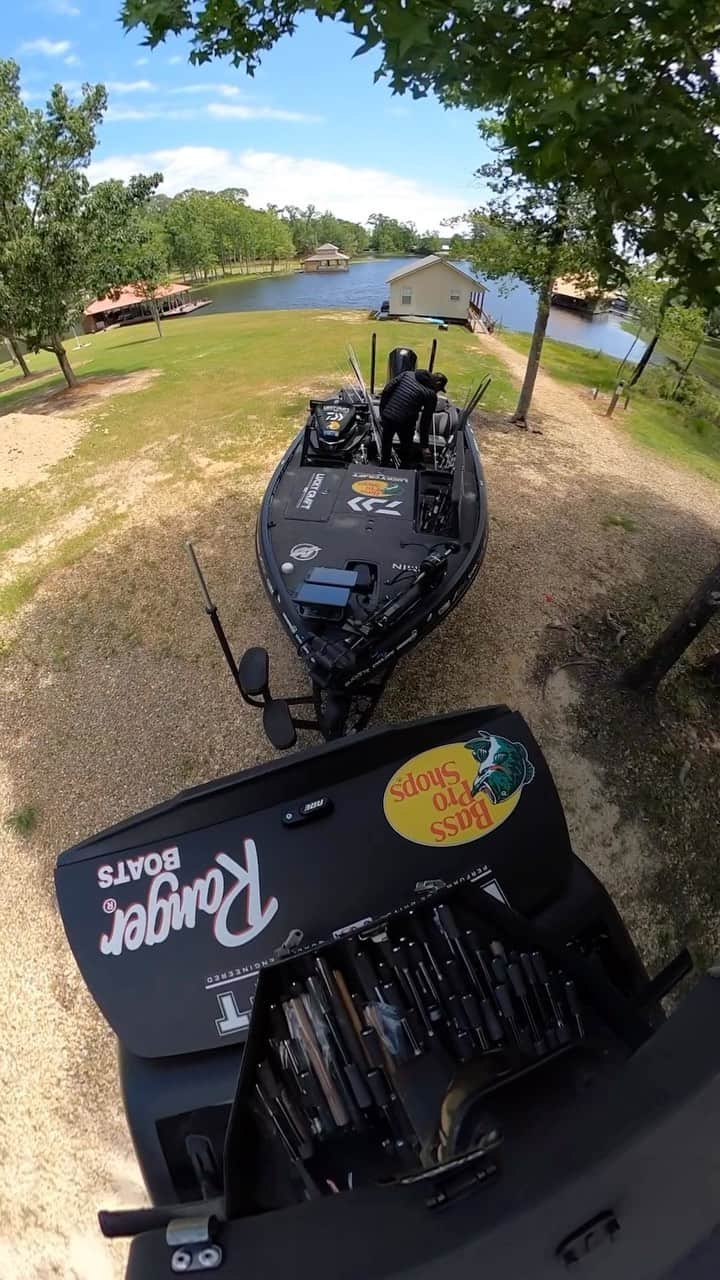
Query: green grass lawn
[[230, 388], [657, 424]]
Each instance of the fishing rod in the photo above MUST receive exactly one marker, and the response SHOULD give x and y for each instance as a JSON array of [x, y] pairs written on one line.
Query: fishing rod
[[377, 433], [473, 402]]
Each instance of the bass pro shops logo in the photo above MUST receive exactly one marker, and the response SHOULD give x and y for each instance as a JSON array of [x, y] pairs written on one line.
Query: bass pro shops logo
[[458, 792]]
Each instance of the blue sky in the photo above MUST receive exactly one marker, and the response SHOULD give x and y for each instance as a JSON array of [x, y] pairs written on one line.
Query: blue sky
[[310, 127]]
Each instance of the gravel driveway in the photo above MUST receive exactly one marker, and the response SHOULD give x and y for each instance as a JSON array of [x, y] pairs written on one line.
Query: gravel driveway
[[114, 697]]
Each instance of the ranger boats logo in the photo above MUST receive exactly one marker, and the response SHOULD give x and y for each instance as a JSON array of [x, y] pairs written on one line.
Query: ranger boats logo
[[458, 792], [229, 893]]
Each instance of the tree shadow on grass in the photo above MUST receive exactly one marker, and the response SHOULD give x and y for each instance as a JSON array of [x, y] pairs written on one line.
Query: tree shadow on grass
[[136, 342], [91, 387], [14, 384]]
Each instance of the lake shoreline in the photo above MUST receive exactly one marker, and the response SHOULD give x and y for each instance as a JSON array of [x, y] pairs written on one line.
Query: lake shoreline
[[363, 287]]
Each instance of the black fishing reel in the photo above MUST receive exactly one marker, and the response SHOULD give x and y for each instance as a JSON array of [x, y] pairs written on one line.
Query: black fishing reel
[[432, 569]]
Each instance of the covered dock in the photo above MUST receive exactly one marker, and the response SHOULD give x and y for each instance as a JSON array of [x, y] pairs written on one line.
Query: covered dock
[[131, 305], [327, 257], [576, 294]]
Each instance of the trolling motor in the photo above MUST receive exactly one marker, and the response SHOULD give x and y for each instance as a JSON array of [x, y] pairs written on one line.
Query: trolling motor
[[252, 673]]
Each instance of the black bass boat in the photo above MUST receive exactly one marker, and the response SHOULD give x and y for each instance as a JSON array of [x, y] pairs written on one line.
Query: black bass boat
[[360, 561]]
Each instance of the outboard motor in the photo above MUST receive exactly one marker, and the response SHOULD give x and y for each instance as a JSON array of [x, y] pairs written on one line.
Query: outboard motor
[[400, 360], [335, 427]]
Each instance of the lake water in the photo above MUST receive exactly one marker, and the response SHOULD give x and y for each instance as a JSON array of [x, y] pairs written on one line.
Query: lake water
[[364, 287]]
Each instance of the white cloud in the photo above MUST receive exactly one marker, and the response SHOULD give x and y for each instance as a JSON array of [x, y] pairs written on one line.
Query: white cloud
[[131, 86], [141, 62], [224, 90], [64, 7], [236, 111], [175, 60], [48, 48], [72, 60], [271, 178], [114, 114], [218, 110]]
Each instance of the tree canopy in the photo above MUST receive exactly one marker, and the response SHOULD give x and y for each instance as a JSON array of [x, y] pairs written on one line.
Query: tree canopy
[[207, 231], [619, 98], [535, 233], [43, 229]]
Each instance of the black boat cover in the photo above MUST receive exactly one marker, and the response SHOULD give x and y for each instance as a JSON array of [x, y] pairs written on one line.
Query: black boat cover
[[171, 913]]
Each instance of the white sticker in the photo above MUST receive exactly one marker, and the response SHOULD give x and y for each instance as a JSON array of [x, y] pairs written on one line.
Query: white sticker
[[493, 889], [172, 907], [232, 1019], [304, 551], [378, 506]]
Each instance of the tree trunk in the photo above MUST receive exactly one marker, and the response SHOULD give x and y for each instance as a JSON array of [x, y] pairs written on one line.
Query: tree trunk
[[626, 357], [533, 361], [19, 356], [156, 315], [644, 359], [685, 626], [684, 372], [62, 358]]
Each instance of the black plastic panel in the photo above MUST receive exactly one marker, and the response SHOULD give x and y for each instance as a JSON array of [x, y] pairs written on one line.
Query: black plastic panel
[[170, 915], [643, 1149]]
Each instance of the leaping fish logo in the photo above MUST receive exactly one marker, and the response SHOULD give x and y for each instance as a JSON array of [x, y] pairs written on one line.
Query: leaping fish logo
[[504, 766]]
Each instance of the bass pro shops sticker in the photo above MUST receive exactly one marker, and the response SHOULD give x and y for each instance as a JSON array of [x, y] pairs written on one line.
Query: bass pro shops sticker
[[458, 792]]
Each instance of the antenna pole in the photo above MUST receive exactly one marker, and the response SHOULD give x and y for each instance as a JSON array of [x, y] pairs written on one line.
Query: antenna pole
[[211, 611], [373, 351]]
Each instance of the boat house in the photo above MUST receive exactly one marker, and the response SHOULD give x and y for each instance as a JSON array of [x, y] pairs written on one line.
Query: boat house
[[436, 287], [576, 294], [327, 257], [130, 306]]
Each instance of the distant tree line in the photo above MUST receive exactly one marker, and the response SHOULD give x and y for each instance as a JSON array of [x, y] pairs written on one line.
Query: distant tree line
[[63, 241], [207, 233]]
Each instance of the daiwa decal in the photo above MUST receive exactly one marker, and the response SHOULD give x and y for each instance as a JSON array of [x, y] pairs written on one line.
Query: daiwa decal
[[376, 506], [458, 792], [304, 551], [229, 893]]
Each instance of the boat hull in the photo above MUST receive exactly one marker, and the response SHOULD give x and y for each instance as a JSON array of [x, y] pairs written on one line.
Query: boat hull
[[365, 517]]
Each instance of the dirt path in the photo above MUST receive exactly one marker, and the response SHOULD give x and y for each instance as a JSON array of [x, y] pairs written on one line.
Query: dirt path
[[34, 440], [114, 697]]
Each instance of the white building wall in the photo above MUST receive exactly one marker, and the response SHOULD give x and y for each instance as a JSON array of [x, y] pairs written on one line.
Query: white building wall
[[430, 291]]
